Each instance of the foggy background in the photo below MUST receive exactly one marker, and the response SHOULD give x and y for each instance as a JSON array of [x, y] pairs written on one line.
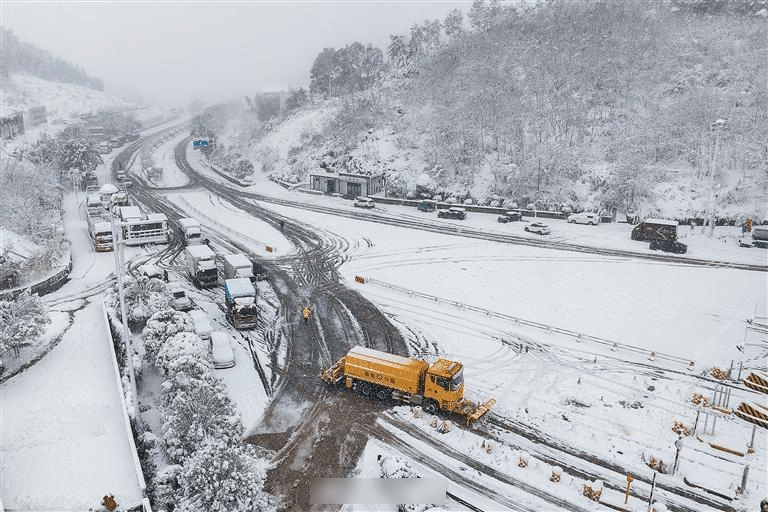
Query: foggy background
[[174, 52]]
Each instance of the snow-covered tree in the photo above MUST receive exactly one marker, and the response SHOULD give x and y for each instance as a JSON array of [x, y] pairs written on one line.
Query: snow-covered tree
[[22, 321], [143, 297], [201, 412], [161, 326], [324, 72], [223, 477], [453, 24], [296, 99], [183, 352]]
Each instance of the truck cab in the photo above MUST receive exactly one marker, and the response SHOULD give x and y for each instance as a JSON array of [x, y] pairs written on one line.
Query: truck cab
[[444, 383], [191, 231]]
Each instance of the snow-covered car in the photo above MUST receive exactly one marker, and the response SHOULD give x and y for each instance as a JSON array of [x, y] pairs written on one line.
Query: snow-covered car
[[584, 218], [509, 216], [201, 323], [538, 227], [454, 212], [364, 202], [222, 355], [151, 270], [668, 246], [179, 300]]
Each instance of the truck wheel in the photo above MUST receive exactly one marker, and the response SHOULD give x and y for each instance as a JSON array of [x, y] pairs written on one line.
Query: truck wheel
[[430, 407], [382, 394], [365, 389]]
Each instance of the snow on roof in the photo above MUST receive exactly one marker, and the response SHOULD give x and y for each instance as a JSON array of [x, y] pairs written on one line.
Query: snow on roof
[[108, 188], [156, 216], [200, 251], [238, 260], [665, 222], [239, 287], [188, 222], [130, 212]]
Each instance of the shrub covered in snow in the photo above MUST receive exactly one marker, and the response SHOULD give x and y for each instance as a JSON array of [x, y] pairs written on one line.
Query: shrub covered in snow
[[223, 477], [161, 326], [143, 297], [201, 412], [22, 321], [183, 352], [392, 466]]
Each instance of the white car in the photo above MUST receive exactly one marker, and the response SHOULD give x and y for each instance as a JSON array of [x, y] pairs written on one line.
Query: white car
[[538, 227], [180, 301], [364, 202], [151, 271], [202, 324], [584, 218], [222, 354]]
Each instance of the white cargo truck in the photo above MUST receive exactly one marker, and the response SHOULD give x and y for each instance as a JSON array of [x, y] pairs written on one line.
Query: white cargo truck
[[201, 265], [100, 231], [237, 265], [240, 301], [191, 231]]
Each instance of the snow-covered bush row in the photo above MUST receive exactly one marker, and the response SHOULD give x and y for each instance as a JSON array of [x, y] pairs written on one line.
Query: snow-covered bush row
[[143, 297], [223, 477], [161, 326], [392, 466], [202, 434]]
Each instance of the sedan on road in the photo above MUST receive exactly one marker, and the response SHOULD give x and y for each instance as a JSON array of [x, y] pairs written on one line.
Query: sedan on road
[[668, 246], [454, 212], [222, 354], [584, 218], [538, 227], [509, 216]]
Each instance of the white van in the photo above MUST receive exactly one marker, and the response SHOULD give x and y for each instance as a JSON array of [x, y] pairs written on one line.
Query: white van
[[202, 324]]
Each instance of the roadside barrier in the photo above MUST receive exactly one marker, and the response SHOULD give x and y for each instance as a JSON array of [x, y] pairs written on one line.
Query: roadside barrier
[[360, 279], [579, 337], [757, 382], [753, 413]]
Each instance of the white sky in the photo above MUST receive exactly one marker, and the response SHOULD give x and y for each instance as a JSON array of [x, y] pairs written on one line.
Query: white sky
[[173, 52]]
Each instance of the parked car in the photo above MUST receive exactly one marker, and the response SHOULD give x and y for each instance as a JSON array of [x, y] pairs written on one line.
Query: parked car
[[427, 205], [364, 202], [668, 246], [510, 216], [202, 324], [538, 227], [222, 354], [584, 218], [454, 212], [180, 301], [151, 270]]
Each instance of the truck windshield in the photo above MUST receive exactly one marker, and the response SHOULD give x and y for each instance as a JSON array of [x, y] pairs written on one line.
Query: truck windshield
[[457, 380]]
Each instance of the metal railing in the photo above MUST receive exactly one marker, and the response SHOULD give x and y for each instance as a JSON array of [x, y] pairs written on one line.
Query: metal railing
[[580, 337]]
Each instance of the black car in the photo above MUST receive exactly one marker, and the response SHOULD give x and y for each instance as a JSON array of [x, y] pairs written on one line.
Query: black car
[[509, 216], [668, 246], [453, 212]]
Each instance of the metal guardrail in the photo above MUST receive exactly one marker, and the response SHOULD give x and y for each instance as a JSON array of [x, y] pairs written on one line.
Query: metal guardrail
[[580, 337], [221, 226]]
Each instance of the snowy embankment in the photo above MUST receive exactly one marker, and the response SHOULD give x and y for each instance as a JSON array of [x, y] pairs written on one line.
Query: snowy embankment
[[163, 156], [64, 443]]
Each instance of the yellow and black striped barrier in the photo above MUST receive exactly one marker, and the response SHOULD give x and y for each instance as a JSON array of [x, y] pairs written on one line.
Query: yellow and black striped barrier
[[360, 279], [753, 413], [757, 382]]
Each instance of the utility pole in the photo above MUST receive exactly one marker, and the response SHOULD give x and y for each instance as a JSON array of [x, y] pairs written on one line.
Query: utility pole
[[718, 127], [126, 332]]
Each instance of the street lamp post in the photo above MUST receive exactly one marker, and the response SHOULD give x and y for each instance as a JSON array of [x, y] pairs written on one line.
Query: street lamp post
[[126, 332]]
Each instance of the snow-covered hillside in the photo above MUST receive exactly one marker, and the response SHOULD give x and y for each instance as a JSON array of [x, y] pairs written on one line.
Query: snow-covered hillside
[[62, 101]]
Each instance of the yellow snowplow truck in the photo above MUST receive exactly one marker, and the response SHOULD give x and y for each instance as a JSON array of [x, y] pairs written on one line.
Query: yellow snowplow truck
[[436, 387]]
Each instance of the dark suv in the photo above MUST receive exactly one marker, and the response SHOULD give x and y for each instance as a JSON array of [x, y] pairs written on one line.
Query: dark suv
[[668, 246], [454, 212], [509, 216]]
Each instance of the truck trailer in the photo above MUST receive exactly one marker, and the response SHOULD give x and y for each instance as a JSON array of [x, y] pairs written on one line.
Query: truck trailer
[[100, 230], [237, 265], [760, 236], [201, 265], [190, 231], [436, 387], [655, 229], [240, 302]]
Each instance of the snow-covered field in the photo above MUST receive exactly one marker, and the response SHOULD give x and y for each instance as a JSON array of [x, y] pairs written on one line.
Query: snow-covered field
[[64, 443]]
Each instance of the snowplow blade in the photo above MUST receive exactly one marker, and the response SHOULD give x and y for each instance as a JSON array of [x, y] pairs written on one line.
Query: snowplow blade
[[333, 374], [480, 411]]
